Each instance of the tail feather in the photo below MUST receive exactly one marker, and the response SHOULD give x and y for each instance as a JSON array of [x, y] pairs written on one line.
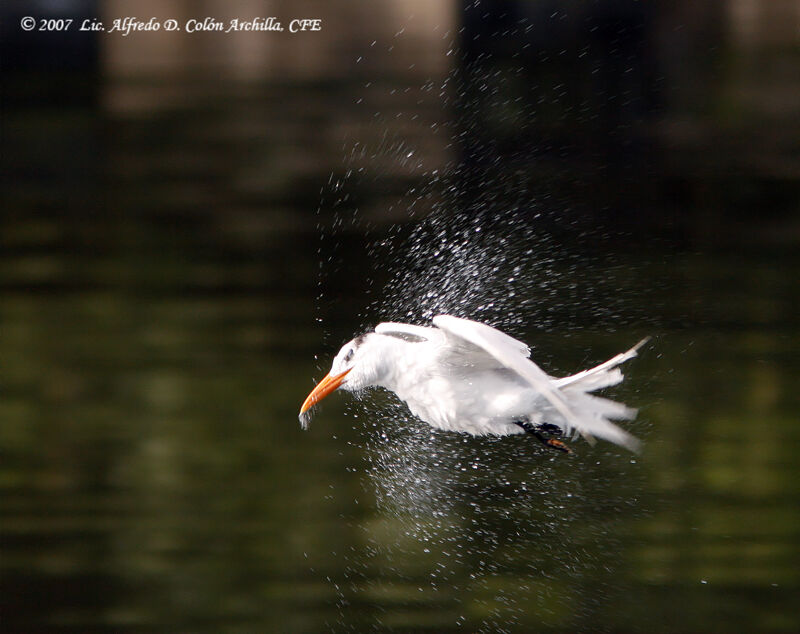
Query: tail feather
[[592, 406], [597, 412], [613, 433]]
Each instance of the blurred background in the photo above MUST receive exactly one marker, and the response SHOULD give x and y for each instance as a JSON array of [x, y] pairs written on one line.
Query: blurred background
[[193, 223]]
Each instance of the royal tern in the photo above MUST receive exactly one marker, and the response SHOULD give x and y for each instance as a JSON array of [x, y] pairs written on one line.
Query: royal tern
[[462, 375]]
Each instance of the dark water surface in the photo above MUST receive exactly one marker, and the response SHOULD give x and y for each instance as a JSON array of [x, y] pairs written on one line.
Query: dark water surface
[[159, 329]]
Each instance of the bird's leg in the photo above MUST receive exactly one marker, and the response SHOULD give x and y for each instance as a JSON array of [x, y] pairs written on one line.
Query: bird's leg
[[536, 431], [553, 430]]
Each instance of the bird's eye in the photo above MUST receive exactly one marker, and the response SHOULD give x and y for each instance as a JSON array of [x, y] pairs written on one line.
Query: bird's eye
[[349, 355]]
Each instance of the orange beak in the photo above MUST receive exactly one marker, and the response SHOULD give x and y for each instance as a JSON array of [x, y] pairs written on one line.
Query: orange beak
[[324, 387]]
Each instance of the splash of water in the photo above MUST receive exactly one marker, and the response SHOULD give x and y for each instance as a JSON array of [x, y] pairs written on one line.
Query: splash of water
[[484, 505]]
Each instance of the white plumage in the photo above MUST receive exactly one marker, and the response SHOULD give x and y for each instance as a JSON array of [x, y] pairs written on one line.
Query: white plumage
[[461, 375]]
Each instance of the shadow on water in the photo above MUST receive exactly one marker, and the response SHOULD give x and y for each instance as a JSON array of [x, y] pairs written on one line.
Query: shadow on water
[[159, 330]]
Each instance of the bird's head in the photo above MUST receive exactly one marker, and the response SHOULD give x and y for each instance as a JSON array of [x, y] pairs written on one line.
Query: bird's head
[[355, 367]]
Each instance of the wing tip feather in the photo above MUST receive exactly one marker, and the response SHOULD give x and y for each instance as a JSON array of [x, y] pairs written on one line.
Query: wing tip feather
[[635, 349]]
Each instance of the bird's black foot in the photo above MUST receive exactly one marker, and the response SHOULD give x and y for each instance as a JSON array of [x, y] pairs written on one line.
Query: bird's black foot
[[539, 431]]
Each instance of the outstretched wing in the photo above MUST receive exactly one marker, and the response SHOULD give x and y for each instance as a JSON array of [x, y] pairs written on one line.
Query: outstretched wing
[[468, 330], [408, 331], [511, 354], [603, 375], [588, 417]]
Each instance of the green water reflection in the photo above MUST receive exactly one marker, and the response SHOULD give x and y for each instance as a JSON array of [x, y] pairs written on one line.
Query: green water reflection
[[154, 476]]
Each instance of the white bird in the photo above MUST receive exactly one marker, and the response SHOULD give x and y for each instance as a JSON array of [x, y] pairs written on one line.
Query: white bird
[[461, 375]]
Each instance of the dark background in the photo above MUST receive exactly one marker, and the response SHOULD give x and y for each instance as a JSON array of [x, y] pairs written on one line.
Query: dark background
[[193, 224]]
